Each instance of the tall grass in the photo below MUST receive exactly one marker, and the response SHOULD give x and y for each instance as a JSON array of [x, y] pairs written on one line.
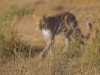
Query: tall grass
[[80, 59], [7, 21]]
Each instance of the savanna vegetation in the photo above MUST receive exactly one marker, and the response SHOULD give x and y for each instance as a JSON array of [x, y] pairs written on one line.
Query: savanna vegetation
[[21, 43]]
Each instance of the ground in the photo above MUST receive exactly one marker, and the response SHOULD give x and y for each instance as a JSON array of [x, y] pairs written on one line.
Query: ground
[[26, 28]]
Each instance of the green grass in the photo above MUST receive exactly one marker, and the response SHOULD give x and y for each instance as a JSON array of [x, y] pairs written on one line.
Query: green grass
[[7, 40]]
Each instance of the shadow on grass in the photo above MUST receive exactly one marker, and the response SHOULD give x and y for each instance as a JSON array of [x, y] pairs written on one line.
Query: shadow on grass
[[27, 50]]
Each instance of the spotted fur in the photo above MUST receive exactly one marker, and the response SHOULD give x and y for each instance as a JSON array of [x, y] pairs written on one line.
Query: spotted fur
[[54, 25]]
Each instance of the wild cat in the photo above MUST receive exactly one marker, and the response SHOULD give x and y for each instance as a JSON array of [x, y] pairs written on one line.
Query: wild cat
[[53, 25]]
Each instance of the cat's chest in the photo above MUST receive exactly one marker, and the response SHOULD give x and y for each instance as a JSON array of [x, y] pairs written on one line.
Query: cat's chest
[[46, 34]]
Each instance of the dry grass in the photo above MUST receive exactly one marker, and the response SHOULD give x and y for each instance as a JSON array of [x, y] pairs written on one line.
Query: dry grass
[[80, 59]]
